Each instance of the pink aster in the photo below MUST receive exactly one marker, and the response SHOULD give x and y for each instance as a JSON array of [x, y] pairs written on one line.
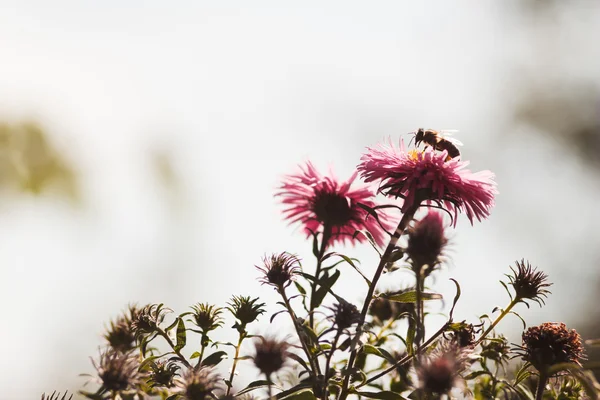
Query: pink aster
[[318, 201], [418, 176]]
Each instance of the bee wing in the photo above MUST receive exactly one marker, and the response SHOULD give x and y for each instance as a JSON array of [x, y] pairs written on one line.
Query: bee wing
[[447, 134], [454, 141]]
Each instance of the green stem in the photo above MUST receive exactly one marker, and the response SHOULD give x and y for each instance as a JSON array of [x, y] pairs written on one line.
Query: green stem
[[270, 384], [324, 240], [407, 358], [406, 218], [328, 363], [170, 342], [539, 394], [235, 360], [314, 365], [420, 315], [496, 321]]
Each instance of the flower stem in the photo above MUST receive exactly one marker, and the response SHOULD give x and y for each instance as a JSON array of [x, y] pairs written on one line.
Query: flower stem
[[314, 365], [270, 384], [407, 358], [539, 394], [324, 240], [235, 360], [172, 345], [503, 314], [327, 364], [420, 314], [406, 218]]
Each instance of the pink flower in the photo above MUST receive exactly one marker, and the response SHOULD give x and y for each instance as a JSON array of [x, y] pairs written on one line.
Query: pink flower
[[320, 202], [418, 176]]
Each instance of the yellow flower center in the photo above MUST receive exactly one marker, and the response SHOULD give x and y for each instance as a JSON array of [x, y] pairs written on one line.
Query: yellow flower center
[[415, 155]]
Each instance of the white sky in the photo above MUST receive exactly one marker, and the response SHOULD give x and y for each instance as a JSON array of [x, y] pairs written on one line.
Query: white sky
[[238, 96]]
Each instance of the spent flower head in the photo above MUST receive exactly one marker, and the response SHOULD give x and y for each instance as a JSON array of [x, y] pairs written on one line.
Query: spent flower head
[[549, 344], [207, 317], [117, 371], [163, 373], [322, 203], [426, 176], [120, 335], [148, 319], [345, 314], [270, 354], [279, 269], [245, 309], [462, 334], [529, 283], [198, 384], [426, 242]]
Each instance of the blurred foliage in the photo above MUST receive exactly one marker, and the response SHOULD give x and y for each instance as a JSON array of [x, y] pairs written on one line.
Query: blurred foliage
[[568, 113], [30, 164]]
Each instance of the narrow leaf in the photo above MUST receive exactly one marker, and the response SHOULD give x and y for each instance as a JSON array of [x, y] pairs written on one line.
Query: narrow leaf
[[181, 338], [253, 386], [411, 297], [215, 358]]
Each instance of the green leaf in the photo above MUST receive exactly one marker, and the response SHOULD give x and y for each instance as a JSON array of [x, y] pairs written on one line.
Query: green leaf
[[411, 297], [253, 386], [384, 395], [298, 359], [351, 262], [215, 358], [300, 288], [194, 355], [369, 349], [299, 387], [456, 297], [325, 285], [476, 374], [173, 397], [410, 336], [305, 394], [181, 339]]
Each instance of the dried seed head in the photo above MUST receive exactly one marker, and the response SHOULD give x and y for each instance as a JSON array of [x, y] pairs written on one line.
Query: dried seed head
[[528, 283], [495, 348], [207, 317], [550, 344], [163, 373], [120, 335], [270, 355], [198, 383], [463, 334], [117, 371], [279, 269], [148, 319], [345, 314], [426, 242], [246, 310]]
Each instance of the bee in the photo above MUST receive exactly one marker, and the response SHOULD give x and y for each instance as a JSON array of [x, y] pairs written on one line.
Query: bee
[[436, 140]]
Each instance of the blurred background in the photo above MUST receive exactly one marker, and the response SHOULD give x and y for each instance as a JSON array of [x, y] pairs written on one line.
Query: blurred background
[[140, 145]]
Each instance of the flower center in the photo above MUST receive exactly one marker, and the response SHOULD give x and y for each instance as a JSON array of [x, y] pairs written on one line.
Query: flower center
[[414, 155], [332, 208]]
